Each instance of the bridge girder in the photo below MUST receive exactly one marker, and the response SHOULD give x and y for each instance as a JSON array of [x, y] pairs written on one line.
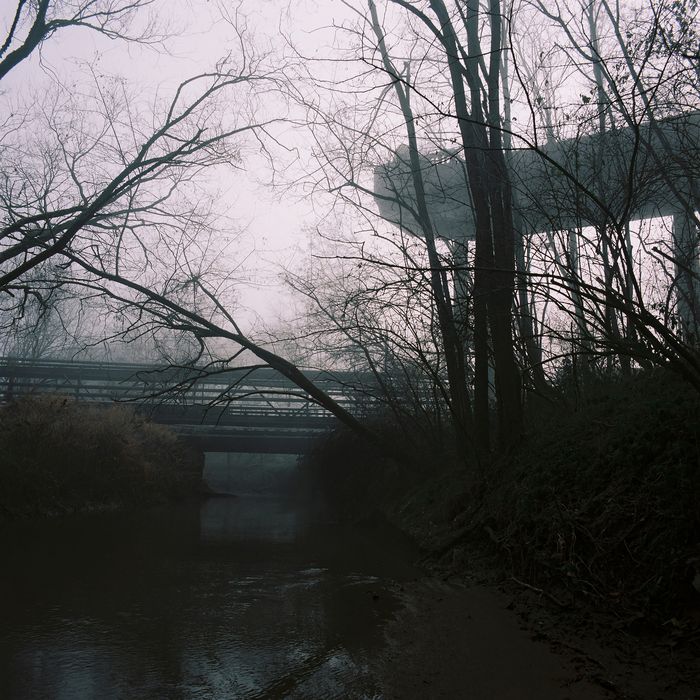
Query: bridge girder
[[635, 173]]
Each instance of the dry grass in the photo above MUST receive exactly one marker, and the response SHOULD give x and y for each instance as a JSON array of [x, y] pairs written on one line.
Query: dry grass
[[58, 455]]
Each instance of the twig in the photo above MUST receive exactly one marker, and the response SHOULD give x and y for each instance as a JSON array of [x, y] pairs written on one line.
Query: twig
[[552, 597]]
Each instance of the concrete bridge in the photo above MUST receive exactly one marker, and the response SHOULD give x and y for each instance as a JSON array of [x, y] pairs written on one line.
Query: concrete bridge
[[216, 409], [626, 174]]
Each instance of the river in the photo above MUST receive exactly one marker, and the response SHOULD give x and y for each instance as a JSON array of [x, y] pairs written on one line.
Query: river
[[250, 597]]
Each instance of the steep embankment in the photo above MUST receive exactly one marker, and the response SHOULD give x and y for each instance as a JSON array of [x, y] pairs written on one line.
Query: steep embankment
[[591, 528], [60, 456]]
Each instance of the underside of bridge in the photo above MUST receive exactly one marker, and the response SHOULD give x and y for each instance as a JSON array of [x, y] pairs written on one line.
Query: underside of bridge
[[624, 174], [255, 444]]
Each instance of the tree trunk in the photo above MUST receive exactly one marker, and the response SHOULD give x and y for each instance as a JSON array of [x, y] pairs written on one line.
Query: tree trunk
[[494, 277], [452, 345]]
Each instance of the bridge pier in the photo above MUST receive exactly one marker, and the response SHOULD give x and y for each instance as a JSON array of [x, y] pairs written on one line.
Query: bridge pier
[[686, 244]]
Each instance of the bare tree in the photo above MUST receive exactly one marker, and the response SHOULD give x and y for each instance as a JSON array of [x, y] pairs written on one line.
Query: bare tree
[[114, 193], [42, 320], [371, 312], [119, 205], [555, 214], [428, 89], [108, 175], [35, 21]]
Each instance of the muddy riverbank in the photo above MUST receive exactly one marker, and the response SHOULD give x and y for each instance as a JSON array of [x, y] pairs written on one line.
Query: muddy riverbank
[[589, 528], [460, 639]]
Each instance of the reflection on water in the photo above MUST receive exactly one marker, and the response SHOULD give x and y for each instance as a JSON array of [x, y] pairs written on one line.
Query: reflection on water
[[238, 598], [251, 519]]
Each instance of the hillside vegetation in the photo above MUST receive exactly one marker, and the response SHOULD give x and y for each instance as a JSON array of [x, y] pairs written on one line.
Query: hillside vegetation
[[600, 502]]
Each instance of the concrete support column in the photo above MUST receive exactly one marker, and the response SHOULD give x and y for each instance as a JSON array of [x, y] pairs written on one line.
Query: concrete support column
[[686, 253], [462, 285]]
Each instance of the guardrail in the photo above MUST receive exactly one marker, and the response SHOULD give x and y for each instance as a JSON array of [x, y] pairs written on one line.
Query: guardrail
[[186, 395]]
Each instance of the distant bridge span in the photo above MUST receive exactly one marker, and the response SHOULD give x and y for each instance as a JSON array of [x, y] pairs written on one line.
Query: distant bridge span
[[217, 410]]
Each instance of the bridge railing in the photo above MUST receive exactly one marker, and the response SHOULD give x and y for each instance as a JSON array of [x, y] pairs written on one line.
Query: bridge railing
[[181, 393]]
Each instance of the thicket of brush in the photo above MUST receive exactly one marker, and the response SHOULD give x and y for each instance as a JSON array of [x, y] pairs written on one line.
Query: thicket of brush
[[60, 456], [600, 501], [605, 500]]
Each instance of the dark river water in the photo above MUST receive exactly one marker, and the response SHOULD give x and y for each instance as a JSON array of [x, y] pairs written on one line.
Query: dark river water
[[255, 597]]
